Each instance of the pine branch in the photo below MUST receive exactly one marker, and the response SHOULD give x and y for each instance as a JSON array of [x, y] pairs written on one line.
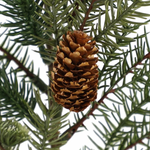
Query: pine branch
[[136, 106], [47, 128], [15, 100], [74, 128], [95, 105], [123, 122], [24, 23], [19, 97], [116, 26], [120, 25], [111, 24], [35, 79], [24, 20], [114, 136], [139, 141]]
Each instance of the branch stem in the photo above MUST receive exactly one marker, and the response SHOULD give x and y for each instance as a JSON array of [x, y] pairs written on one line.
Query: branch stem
[[35, 79], [87, 15]]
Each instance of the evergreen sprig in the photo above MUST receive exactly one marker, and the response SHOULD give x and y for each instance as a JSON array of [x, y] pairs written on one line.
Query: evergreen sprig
[[47, 129], [137, 130], [15, 99], [24, 25], [11, 53], [55, 26], [118, 22]]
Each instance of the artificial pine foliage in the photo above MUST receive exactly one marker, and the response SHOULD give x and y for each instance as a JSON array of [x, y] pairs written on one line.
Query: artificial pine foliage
[[71, 37]]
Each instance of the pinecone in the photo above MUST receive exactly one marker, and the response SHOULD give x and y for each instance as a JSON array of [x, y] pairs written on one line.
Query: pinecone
[[75, 73]]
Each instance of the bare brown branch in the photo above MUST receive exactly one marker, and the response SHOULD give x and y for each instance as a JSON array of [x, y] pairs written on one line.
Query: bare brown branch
[[87, 15]]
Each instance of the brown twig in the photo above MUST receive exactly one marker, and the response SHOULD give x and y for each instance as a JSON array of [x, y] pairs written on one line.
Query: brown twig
[[26, 70], [139, 141], [87, 15]]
